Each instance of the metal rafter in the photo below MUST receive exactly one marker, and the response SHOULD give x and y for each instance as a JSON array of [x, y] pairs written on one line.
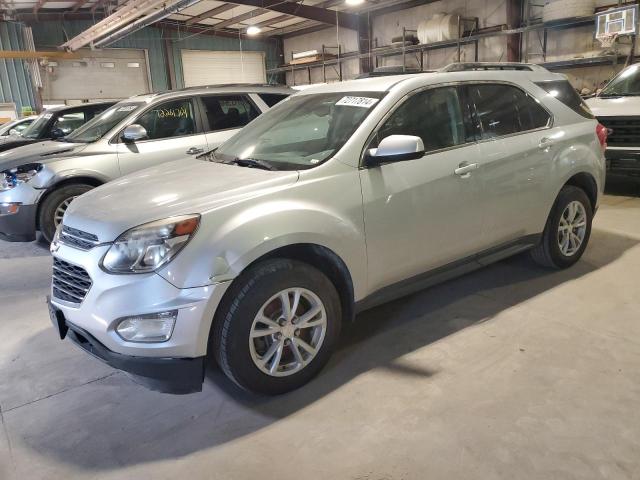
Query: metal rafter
[[283, 18], [211, 13], [323, 15], [239, 18], [78, 4], [39, 5]]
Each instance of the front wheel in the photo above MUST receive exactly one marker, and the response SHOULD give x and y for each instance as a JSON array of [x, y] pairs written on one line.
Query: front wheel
[[567, 231], [55, 205], [277, 327]]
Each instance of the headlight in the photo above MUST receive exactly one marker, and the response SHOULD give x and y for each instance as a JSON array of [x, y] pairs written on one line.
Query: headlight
[[15, 176], [150, 246]]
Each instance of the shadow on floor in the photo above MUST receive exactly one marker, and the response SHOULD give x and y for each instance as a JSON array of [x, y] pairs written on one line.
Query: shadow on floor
[[113, 423]]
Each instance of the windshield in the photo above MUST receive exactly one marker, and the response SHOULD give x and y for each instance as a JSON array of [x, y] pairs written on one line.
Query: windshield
[[103, 123], [627, 83], [37, 127], [301, 131]]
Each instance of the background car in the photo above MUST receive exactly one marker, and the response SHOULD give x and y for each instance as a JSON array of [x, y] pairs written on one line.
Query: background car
[[15, 126], [41, 180], [54, 123]]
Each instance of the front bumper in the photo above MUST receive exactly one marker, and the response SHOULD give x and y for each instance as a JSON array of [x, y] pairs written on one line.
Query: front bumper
[[623, 161], [19, 226], [167, 375], [111, 297]]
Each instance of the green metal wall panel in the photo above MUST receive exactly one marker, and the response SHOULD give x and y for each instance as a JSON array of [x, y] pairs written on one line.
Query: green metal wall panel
[[15, 80]]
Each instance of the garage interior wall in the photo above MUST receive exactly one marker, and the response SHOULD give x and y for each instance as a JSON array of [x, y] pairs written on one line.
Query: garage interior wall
[[15, 82]]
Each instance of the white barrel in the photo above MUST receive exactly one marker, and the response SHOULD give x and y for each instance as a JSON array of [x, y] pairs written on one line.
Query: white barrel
[[559, 9], [441, 26]]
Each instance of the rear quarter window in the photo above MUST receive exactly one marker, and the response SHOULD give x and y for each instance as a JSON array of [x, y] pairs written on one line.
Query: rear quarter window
[[563, 91]]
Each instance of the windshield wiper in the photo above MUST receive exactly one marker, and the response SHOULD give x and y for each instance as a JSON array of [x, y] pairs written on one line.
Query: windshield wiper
[[252, 163]]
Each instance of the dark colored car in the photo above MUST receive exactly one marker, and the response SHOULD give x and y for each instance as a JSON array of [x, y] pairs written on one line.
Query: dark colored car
[[54, 123]]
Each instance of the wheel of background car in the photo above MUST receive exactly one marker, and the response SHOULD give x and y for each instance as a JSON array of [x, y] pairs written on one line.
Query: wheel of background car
[[277, 326], [55, 205], [567, 231]]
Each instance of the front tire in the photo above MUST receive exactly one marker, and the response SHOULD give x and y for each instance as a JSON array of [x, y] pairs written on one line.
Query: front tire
[[55, 205], [277, 326], [567, 231]]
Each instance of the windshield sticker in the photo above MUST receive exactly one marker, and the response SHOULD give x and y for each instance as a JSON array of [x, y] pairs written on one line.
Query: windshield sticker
[[47, 115], [128, 108], [179, 112], [364, 102]]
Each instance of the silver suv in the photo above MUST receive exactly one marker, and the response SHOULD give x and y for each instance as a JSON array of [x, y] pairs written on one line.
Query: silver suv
[[341, 197], [39, 181]]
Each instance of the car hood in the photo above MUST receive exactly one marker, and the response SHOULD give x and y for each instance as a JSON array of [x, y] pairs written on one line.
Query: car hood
[[176, 188], [40, 152], [614, 106]]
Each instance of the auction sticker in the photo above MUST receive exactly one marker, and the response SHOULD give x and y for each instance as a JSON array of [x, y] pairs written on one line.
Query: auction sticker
[[364, 102]]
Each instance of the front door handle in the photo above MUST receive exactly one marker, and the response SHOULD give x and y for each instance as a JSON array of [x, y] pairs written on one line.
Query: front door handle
[[545, 143], [194, 151], [465, 168]]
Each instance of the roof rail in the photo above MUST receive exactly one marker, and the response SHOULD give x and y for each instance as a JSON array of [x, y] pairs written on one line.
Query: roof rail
[[467, 66]]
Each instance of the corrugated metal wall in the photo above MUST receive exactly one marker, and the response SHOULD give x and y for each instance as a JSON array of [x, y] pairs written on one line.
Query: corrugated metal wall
[[52, 34], [15, 81]]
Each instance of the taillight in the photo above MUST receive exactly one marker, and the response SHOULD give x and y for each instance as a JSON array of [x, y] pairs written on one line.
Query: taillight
[[602, 133]]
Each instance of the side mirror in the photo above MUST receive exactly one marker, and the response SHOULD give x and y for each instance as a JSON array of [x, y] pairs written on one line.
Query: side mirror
[[395, 148], [57, 133], [134, 132]]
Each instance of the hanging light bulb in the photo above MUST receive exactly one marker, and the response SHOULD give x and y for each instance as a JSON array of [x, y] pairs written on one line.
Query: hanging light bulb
[[253, 30]]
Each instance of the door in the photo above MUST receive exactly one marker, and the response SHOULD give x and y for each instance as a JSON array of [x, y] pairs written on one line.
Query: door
[[224, 115], [206, 67], [421, 214], [514, 135], [173, 133]]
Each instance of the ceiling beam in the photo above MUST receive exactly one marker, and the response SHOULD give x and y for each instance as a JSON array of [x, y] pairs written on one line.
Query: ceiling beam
[[323, 15], [273, 20], [211, 13], [239, 18], [98, 4], [78, 4], [38, 5]]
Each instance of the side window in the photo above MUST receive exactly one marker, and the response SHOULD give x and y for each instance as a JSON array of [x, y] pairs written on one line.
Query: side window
[[434, 115], [69, 121], [22, 126], [90, 114], [171, 119], [504, 110], [228, 111], [272, 98], [563, 91]]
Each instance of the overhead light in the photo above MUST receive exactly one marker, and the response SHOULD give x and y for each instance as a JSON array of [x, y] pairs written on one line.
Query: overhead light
[[253, 30], [354, 2]]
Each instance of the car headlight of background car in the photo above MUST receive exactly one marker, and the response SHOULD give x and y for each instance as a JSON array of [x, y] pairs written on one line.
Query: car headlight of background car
[[148, 247], [15, 176]]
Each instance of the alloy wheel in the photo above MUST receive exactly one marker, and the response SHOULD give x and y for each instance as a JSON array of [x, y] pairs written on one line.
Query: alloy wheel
[[288, 332], [61, 209], [572, 228]]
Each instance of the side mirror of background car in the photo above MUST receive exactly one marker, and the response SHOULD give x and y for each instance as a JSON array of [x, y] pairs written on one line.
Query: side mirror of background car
[[57, 133], [395, 148], [134, 132]]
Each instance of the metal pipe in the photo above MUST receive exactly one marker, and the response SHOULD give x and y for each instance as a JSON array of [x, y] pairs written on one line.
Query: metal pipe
[[145, 21], [125, 15]]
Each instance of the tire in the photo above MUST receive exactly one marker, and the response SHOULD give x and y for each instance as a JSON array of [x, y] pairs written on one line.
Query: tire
[[257, 290], [51, 203], [548, 253]]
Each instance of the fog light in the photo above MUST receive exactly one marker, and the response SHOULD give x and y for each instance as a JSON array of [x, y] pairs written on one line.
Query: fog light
[[9, 208], [148, 328]]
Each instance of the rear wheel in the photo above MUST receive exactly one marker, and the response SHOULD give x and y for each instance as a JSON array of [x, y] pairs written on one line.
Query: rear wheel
[[567, 231], [278, 327], [55, 205]]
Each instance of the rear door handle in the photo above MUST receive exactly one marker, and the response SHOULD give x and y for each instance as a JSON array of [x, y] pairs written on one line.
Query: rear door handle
[[465, 168], [545, 143], [194, 151]]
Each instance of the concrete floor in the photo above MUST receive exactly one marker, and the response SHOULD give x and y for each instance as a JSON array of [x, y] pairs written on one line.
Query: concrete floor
[[512, 372]]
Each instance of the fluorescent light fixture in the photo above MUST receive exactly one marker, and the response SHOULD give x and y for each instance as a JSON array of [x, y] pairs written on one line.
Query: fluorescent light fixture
[[354, 2], [253, 30]]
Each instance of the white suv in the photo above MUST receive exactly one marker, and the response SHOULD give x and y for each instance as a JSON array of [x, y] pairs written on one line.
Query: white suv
[[339, 198]]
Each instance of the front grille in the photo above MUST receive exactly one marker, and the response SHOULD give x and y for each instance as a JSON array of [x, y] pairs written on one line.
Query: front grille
[[77, 238], [626, 131], [70, 282]]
